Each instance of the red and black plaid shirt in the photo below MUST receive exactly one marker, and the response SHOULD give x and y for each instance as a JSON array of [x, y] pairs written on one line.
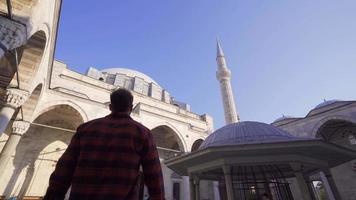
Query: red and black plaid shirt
[[103, 160]]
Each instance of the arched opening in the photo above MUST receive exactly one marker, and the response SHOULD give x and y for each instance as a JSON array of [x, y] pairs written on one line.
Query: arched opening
[[166, 138], [339, 132], [30, 56], [40, 148], [343, 133], [169, 145], [29, 106], [196, 145], [61, 116]]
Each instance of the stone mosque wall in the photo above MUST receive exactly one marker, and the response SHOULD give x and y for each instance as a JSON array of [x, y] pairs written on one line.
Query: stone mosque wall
[[335, 122], [42, 105]]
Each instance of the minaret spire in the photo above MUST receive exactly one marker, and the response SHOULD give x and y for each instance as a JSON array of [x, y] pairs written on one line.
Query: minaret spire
[[223, 75], [220, 52]]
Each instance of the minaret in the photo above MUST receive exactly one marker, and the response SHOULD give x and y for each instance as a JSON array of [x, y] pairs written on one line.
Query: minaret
[[223, 75]]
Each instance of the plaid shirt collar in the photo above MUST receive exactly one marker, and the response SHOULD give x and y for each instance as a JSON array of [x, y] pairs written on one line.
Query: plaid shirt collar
[[119, 115]]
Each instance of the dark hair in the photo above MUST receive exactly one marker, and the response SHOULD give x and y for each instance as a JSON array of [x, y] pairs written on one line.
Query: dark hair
[[121, 100]]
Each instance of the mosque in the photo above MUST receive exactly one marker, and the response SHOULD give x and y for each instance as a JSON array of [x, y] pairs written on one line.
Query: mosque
[[42, 103]]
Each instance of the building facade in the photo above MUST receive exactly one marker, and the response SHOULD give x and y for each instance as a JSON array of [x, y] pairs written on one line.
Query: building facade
[[43, 102], [335, 122]]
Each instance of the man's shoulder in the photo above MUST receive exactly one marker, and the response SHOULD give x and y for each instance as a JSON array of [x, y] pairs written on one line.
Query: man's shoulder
[[91, 123], [141, 127]]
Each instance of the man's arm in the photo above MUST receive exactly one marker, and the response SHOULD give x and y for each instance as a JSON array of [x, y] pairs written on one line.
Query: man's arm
[[152, 171], [61, 178]]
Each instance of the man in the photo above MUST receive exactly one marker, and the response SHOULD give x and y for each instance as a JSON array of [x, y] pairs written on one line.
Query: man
[[103, 159]]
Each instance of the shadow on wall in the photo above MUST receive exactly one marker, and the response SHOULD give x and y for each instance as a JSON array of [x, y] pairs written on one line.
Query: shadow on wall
[[37, 147], [40, 148]]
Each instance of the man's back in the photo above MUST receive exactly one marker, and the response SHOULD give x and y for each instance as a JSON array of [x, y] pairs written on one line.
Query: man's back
[[103, 160]]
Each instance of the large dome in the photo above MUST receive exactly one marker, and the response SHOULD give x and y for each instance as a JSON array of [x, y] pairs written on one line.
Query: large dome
[[129, 73], [248, 133]]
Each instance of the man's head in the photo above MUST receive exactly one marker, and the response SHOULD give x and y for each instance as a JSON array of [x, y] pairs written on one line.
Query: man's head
[[121, 101]]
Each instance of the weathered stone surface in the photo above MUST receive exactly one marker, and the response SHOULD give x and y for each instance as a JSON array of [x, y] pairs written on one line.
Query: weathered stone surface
[[12, 35], [15, 97]]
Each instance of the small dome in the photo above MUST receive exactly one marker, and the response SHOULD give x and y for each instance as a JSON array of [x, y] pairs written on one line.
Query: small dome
[[248, 133], [130, 73], [284, 117], [325, 103]]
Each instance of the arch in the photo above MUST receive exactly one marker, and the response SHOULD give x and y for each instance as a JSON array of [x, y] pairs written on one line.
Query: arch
[[30, 58], [45, 27], [54, 124], [178, 135], [47, 106], [196, 144], [30, 105], [61, 116], [323, 121], [339, 130]]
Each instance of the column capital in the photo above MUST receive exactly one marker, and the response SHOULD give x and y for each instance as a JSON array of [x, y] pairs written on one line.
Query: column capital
[[12, 34], [15, 97], [20, 127]]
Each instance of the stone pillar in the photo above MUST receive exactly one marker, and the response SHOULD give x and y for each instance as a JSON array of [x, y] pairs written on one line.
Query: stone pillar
[[326, 186], [216, 190], [13, 99], [303, 186], [12, 35], [186, 189], [228, 182], [192, 188], [197, 188], [332, 184], [310, 187], [18, 129]]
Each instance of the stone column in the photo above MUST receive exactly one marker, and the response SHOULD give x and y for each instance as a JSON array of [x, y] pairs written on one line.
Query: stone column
[[303, 186], [310, 187], [18, 129], [12, 35], [326, 185], [216, 190], [186, 189], [197, 188], [332, 184], [228, 182], [13, 99], [192, 188]]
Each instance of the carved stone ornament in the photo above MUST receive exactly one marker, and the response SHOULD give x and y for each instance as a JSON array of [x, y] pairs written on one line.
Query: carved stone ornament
[[223, 74], [20, 127], [12, 35], [15, 97]]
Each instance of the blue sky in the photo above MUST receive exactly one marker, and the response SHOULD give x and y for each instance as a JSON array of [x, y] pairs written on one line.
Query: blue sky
[[285, 56]]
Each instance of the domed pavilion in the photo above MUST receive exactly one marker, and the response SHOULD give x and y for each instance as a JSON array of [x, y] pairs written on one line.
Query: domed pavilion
[[252, 160]]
